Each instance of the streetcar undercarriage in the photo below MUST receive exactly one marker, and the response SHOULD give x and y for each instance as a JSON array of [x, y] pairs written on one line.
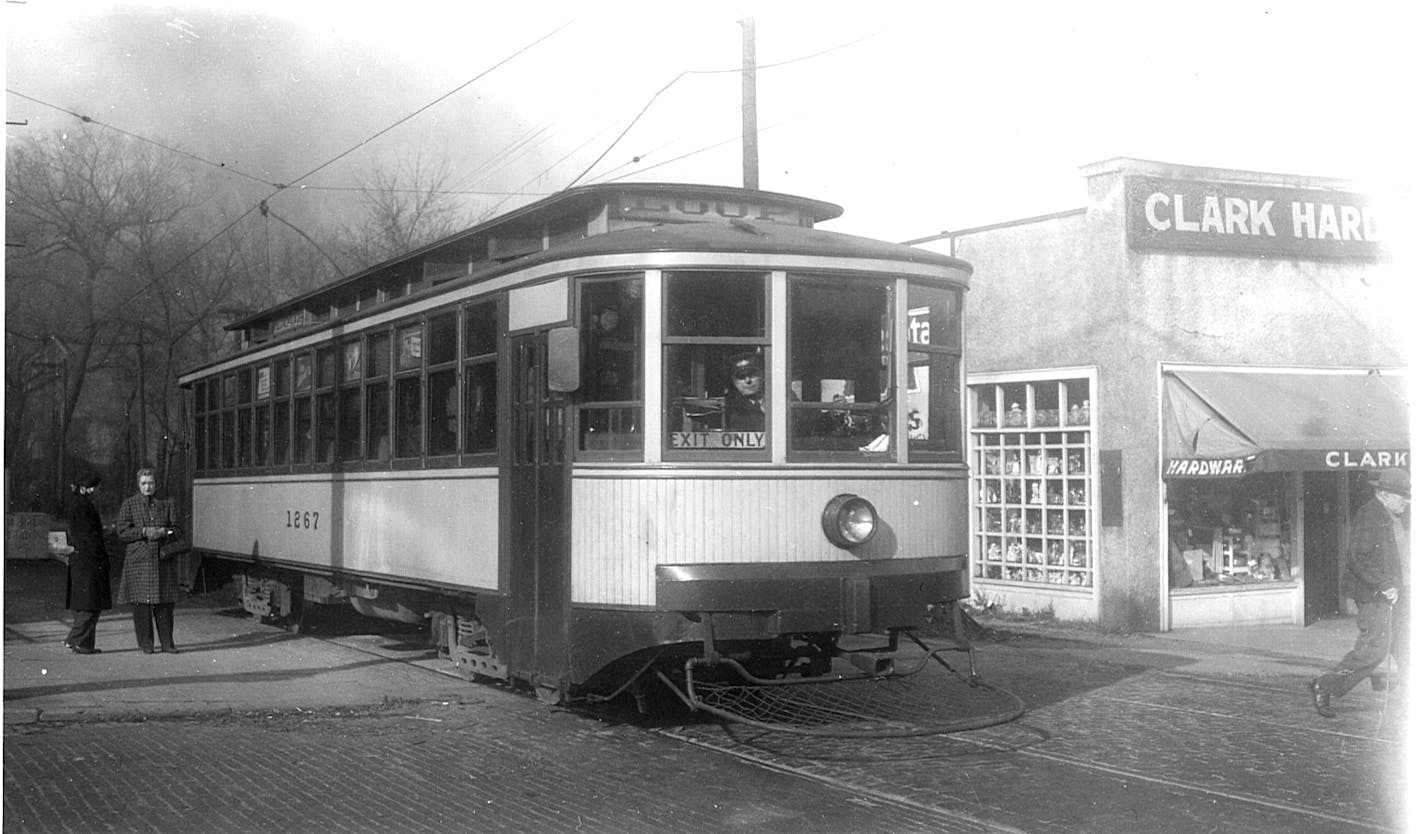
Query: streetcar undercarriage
[[736, 665]]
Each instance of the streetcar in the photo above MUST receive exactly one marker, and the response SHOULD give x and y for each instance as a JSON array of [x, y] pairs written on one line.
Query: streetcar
[[626, 432]]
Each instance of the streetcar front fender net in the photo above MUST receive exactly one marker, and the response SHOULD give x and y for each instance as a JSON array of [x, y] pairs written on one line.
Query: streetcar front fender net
[[927, 698]]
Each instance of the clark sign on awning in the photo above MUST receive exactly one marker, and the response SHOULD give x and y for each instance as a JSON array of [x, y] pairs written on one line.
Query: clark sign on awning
[[1223, 424], [1234, 218]]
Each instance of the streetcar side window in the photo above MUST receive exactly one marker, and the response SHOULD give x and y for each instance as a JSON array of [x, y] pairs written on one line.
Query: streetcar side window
[[244, 418], [348, 403], [715, 354], [302, 431], [410, 348], [281, 411], [481, 377], [229, 440], [281, 434], [936, 365], [214, 418], [325, 405], [200, 425], [611, 379], [442, 397], [303, 423], [842, 360], [378, 396], [262, 455]]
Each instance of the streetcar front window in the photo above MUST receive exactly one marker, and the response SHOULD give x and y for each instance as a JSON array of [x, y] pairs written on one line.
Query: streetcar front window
[[715, 355], [611, 379], [842, 363], [936, 354]]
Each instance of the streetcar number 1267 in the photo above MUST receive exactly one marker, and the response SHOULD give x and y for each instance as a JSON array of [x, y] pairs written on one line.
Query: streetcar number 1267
[[302, 520]]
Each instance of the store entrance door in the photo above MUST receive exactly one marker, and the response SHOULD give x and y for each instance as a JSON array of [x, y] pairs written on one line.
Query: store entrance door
[[1324, 515]]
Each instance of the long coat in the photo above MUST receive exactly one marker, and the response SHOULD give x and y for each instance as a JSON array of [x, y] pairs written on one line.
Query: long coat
[[147, 579], [1372, 561], [88, 585]]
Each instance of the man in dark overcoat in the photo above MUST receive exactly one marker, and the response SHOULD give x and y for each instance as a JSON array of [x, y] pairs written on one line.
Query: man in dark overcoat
[[1377, 579], [86, 591], [150, 582]]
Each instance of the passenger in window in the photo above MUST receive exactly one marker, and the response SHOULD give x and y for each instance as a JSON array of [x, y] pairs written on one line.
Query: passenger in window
[[746, 407]]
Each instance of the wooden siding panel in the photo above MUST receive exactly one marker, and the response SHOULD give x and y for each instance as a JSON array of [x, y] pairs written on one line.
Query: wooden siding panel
[[623, 527], [442, 530]]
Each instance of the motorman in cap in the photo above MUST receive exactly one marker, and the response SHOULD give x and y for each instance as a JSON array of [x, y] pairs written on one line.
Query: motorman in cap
[[746, 405]]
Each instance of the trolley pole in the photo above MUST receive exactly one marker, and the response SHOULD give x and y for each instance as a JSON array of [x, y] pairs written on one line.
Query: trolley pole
[[750, 163]]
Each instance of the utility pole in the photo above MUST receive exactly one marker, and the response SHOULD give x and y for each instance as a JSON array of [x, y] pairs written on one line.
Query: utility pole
[[750, 163]]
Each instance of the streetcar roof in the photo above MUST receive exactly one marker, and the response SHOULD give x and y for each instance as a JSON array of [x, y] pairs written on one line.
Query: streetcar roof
[[750, 237], [588, 198], [601, 220]]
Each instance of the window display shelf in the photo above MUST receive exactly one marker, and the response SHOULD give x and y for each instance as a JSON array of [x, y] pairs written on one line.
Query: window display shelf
[[1033, 460]]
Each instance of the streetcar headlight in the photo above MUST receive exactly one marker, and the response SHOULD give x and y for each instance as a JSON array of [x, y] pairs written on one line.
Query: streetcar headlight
[[849, 520]]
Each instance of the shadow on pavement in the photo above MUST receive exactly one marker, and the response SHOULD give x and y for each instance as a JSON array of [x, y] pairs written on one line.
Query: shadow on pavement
[[16, 697]]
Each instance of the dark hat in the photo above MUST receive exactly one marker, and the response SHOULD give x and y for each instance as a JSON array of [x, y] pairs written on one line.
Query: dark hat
[[88, 478], [1392, 480], [743, 362]]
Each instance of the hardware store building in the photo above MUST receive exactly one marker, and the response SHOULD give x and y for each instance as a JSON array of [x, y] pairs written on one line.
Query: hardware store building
[[1176, 395]]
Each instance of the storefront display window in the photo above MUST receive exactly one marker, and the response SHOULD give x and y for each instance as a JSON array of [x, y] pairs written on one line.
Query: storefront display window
[[1033, 466], [1230, 531]]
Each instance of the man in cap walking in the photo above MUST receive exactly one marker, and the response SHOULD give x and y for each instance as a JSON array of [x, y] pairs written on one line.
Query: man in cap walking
[[1377, 578]]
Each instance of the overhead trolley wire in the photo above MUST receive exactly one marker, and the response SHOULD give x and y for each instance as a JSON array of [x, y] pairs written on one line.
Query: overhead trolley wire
[[679, 77], [280, 187], [420, 110], [91, 120]]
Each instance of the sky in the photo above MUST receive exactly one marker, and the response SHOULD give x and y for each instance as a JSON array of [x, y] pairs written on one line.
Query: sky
[[915, 117]]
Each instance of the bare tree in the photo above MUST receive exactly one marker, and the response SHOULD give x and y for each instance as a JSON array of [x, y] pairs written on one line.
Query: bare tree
[[105, 272], [403, 208]]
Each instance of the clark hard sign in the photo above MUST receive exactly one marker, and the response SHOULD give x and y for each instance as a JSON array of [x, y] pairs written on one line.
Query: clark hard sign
[[1232, 218]]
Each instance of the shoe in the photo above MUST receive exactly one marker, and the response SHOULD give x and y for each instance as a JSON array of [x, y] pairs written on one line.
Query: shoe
[[170, 650], [148, 650], [1321, 699], [83, 650], [67, 644]]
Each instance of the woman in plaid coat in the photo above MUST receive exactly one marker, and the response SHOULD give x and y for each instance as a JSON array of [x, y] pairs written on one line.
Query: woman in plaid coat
[[149, 583]]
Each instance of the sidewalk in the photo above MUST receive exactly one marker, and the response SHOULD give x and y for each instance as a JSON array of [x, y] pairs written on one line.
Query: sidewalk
[[1235, 650], [229, 662]]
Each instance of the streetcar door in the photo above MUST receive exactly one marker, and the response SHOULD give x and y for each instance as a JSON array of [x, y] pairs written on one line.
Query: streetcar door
[[536, 518]]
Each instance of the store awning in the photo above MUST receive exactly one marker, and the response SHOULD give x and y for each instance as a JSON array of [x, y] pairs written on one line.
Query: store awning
[[1225, 424]]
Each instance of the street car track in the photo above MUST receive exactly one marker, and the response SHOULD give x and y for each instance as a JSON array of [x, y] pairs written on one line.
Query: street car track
[[845, 773]]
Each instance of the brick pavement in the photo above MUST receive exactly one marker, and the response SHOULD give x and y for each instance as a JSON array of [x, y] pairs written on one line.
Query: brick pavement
[[253, 728], [500, 764], [1127, 740]]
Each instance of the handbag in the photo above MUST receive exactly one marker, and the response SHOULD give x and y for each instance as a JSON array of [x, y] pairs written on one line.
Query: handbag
[[174, 546]]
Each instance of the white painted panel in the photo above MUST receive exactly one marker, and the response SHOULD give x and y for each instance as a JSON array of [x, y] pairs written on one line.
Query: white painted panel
[[441, 529], [624, 526], [539, 304]]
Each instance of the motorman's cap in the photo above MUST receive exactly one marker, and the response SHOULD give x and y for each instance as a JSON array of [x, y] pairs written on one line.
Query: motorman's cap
[[743, 363], [1392, 480]]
